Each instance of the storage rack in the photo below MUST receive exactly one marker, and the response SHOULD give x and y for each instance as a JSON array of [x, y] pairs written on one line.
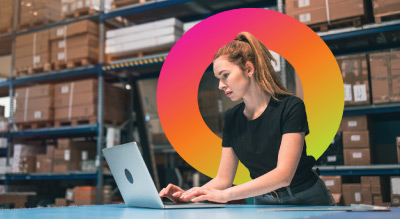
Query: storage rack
[[185, 10], [194, 10]]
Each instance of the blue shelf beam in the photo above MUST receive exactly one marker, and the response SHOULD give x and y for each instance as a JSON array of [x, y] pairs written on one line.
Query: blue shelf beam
[[79, 129], [371, 109], [368, 170], [67, 73], [51, 176]]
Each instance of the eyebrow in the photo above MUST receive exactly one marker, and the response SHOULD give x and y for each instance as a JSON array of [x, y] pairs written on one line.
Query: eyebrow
[[221, 72]]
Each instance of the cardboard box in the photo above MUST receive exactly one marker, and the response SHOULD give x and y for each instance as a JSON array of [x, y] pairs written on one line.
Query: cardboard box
[[395, 200], [85, 195], [76, 28], [356, 139], [50, 151], [385, 7], [360, 156], [355, 79], [61, 202], [366, 195], [60, 166], [34, 116], [333, 183], [34, 91], [44, 164], [355, 123], [352, 194]]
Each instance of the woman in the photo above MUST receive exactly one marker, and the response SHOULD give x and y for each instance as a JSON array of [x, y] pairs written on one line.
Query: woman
[[265, 132]]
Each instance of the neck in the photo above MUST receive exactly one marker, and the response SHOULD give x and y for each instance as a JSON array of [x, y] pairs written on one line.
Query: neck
[[256, 100]]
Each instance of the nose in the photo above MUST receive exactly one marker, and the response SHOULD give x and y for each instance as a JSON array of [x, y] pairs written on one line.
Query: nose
[[221, 85]]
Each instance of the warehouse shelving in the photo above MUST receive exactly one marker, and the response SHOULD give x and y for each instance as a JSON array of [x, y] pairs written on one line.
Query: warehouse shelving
[[364, 170]]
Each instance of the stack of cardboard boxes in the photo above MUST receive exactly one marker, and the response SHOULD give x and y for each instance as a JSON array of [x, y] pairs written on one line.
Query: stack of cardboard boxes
[[34, 105], [148, 37], [334, 184], [385, 76], [24, 158], [315, 11], [75, 8], [355, 79], [44, 162], [32, 51], [375, 189], [356, 140], [69, 154], [74, 44], [384, 8], [84, 195], [39, 12], [334, 154], [77, 101], [6, 16]]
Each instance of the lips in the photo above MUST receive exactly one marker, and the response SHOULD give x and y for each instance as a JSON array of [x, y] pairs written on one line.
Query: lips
[[228, 93]]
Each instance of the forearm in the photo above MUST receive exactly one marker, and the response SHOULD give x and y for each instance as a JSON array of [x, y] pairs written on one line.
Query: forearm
[[217, 183], [266, 183]]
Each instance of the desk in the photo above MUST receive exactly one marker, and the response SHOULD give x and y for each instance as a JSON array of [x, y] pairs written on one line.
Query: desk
[[231, 212]]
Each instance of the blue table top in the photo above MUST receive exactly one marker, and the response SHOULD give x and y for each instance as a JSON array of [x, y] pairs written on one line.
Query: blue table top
[[231, 211]]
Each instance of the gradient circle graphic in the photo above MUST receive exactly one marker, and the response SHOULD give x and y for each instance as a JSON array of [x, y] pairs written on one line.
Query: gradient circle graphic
[[189, 58]]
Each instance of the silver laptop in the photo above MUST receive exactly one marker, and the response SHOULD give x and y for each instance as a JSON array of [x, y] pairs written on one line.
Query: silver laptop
[[134, 181]]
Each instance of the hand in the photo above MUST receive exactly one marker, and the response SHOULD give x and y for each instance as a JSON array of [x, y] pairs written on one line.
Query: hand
[[203, 193], [172, 192]]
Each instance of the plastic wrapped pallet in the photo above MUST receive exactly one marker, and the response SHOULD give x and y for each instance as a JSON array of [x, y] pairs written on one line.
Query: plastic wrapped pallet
[[39, 12], [144, 37]]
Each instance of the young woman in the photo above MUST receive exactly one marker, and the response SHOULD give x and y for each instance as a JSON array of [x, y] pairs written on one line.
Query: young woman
[[265, 132]]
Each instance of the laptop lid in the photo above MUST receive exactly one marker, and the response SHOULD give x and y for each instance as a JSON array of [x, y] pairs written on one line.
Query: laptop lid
[[132, 176]]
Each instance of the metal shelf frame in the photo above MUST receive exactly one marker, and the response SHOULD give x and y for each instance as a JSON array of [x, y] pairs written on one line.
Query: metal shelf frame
[[365, 170]]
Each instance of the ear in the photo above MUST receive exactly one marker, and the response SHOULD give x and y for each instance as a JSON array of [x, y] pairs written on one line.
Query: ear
[[249, 68]]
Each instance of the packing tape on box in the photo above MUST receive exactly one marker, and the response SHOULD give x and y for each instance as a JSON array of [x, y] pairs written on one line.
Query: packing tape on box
[[26, 103], [71, 97], [327, 12]]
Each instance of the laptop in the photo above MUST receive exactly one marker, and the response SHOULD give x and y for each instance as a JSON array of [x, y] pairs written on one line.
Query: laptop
[[134, 180]]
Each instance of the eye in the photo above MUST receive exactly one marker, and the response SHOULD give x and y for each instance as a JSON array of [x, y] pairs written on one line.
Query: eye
[[225, 75]]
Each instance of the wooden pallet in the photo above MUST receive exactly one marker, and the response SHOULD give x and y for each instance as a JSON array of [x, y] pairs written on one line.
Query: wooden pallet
[[393, 15], [35, 24], [34, 125], [73, 63], [119, 3], [32, 69], [139, 54], [347, 22], [79, 12], [76, 121]]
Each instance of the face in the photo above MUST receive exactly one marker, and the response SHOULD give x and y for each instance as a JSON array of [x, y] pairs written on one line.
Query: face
[[232, 79]]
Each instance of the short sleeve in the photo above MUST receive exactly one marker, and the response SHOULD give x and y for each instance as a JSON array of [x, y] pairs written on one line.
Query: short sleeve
[[295, 117], [226, 141]]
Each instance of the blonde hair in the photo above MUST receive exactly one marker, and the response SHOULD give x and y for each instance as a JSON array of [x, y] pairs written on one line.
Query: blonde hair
[[246, 47]]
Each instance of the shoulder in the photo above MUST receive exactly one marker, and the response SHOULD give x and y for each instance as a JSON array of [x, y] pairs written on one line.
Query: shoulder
[[290, 103]]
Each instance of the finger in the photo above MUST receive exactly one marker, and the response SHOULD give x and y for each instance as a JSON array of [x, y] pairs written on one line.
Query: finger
[[177, 194], [189, 191], [161, 192], [200, 198], [194, 194], [168, 188]]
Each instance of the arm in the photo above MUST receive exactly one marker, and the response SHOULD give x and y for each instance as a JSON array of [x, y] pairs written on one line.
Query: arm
[[288, 159], [226, 172]]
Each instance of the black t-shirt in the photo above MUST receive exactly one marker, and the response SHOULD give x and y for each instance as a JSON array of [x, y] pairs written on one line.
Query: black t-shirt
[[256, 142]]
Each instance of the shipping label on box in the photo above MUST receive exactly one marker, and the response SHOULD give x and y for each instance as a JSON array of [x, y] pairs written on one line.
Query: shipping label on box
[[356, 139]]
